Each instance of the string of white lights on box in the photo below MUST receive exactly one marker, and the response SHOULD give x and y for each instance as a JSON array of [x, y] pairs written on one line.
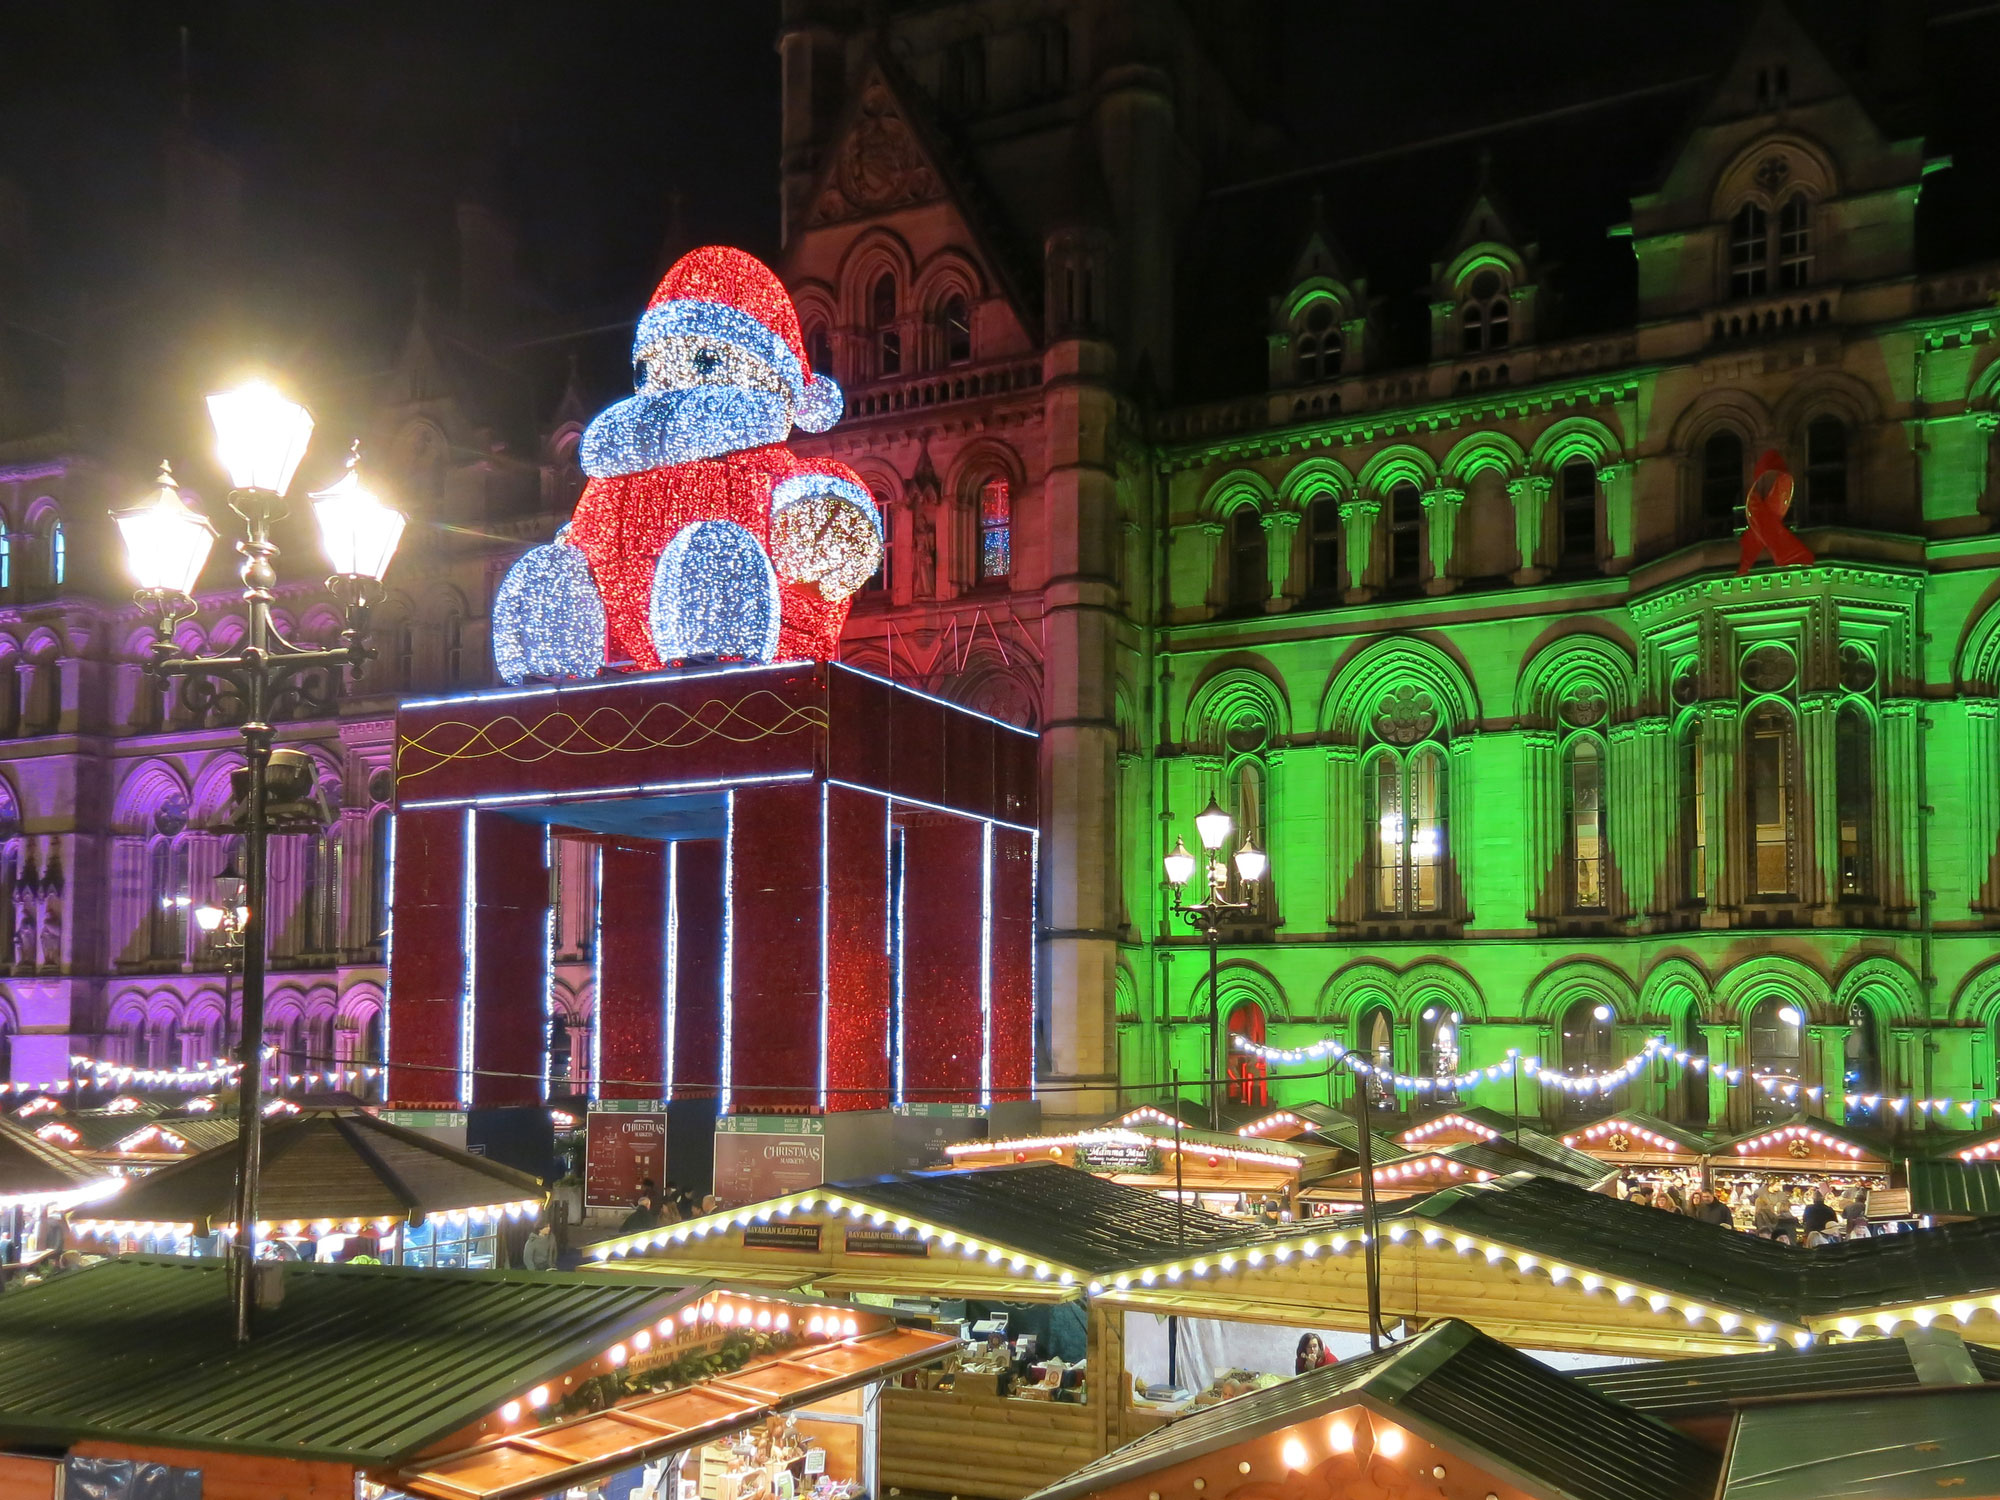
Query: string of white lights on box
[[491, 1213], [1530, 1067]]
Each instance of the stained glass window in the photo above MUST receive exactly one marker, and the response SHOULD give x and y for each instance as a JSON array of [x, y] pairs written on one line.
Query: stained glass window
[[996, 530]]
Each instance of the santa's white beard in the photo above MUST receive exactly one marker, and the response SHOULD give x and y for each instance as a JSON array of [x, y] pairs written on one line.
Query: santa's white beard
[[657, 428]]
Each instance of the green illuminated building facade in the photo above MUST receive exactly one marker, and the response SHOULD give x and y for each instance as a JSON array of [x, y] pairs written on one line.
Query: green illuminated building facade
[[1393, 499]]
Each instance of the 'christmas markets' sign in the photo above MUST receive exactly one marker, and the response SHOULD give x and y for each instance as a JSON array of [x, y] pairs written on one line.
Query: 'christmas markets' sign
[[767, 1156], [621, 1150]]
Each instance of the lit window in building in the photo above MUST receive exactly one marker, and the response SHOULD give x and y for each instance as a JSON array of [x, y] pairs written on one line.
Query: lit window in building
[[1317, 347], [58, 554], [1694, 814], [1483, 319], [1437, 1046], [1249, 561], [882, 318], [996, 530], [1576, 515], [1406, 521], [1589, 1047], [1377, 1038], [6, 561], [819, 349], [1407, 831], [1584, 789], [1749, 274], [1826, 471], [454, 648], [1854, 796], [1771, 758], [1249, 1076], [1774, 1029]]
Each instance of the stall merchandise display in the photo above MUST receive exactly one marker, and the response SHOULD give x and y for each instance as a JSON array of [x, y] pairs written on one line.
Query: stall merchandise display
[[773, 1462]]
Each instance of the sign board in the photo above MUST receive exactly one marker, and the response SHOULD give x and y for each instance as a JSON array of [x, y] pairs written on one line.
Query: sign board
[[620, 1151], [1118, 1156], [767, 1156], [424, 1119], [919, 1133], [781, 1237], [872, 1241]]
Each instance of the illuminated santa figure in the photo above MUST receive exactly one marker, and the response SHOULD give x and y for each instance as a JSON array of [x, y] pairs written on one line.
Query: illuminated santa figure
[[699, 535]]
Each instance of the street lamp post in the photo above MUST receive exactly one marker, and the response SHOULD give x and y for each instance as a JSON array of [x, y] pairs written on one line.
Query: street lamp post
[[224, 920], [260, 438], [1207, 915]]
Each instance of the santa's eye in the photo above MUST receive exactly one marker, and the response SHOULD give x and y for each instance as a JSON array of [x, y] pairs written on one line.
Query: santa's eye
[[706, 362]]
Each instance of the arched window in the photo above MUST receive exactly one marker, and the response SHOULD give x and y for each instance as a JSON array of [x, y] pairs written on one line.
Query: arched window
[[1770, 754], [6, 560], [402, 656], [996, 530], [1483, 317], [454, 648], [1577, 514], [1406, 831], [1861, 1071], [560, 1058], [1323, 544], [160, 1041], [1406, 521], [320, 894], [1246, 798], [1826, 471], [1437, 1046], [1249, 1077], [1694, 816], [1721, 481], [882, 319], [1249, 561], [1583, 791], [168, 898], [1589, 1046], [1316, 344], [1749, 252], [955, 323], [1693, 1080], [58, 554], [1795, 242], [1774, 1030], [379, 834], [1377, 1038], [1854, 797], [819, 349]]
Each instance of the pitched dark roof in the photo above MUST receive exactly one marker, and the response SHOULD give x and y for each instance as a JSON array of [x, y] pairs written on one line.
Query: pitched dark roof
[[1682, 1387], [1712, 1264], [1537, 1152], [1875, 1145], [1691, 1141], [1924, 1443], [1467, 1392], [1955, 1188], [1339, 1129], [98, 1131], [31, 1167], [357, 1363], [327, 1164], [1057, 1213]]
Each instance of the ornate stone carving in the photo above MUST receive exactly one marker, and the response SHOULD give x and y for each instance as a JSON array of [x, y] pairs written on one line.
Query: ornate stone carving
[[879, 165], [1407, 714]]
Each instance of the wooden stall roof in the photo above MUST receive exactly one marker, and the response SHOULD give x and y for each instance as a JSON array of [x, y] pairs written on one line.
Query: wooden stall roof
[[113, 1137], [1039, 1230], [1919, 1443], [1972, 1146], [1550, 1264], [1203, 1153], [32, 1168], [335, 1164], [1954, 1189], [1454, 1124], [1427, 1170], [557, 1457], [1803, 1143], [1505, 1412], [357, 1364], [1317, 1122], [1630, 1135], [1682, 1388]]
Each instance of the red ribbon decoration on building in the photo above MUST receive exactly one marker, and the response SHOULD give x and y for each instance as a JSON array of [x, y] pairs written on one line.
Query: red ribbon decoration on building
[[1769, 498]]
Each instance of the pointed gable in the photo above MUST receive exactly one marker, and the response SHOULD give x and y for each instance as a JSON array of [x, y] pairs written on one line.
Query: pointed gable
[[1319, 320], [1776, 66], [879, 164], [1483, 290]]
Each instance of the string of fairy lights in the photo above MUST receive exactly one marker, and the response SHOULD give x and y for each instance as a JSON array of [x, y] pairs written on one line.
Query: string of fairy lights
[[1656, 1049]]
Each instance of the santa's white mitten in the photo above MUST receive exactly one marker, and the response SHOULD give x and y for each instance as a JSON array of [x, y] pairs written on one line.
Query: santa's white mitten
[[825, 530]]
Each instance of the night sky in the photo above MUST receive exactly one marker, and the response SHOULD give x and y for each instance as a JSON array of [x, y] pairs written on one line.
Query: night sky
[[358, 125]]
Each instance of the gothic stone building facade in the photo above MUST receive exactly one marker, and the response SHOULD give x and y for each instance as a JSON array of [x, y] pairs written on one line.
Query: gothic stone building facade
[[1395, 503]]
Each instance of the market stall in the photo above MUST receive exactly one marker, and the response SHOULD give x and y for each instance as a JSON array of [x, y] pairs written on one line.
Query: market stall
[[1146, 1148], [1798, 1157], [375, 1381], [131, 1144], [1642, 1148], [336, 1185], [38, 1184]]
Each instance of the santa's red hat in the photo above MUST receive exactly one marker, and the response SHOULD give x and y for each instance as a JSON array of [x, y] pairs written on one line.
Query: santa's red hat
[[720, 292]]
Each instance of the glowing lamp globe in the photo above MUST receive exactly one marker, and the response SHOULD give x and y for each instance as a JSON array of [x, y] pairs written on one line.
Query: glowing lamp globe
[[167, 541], [260, 437], [209, 918], [1180, 864], [1213, 824], [356, 530], [1251, 862]]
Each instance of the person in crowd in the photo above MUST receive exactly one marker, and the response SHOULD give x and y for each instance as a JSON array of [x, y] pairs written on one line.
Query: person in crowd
[[1668, 1197], [1641, 1195], [643, 1216], [1312, 1354], [539, 1253], [1817, 1218], [1710, 1209], [1771, 1216], [1855, 1212]]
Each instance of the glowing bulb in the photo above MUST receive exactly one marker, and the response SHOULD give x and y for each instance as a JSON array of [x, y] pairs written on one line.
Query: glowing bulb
[[539, 1397], [1341, 1436], [511, 1412], [616, 1355], [1294, 1454], [1390, 1443]]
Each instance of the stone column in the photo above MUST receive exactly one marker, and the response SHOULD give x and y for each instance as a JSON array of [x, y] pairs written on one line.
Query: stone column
[[1829, 1052], [1548, 891], [1720, 722], [1530, 494], [1726, 1106], [1441, 507], [1817, 819], [1345, 894], [1614, 485], [1357, 522], [1195, 586], [1281, 529], [1897, 813]]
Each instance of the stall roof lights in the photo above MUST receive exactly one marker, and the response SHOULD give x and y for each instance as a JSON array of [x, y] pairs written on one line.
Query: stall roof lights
[[1430, 1166], [1282, 1120], [1146, 1114], [1758, 1144], [1616, 1126], [348, 1224], [1206, 1146], [1443, 1123]]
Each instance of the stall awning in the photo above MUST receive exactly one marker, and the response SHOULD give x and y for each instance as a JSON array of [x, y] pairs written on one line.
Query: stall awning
[[550, 1459]]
